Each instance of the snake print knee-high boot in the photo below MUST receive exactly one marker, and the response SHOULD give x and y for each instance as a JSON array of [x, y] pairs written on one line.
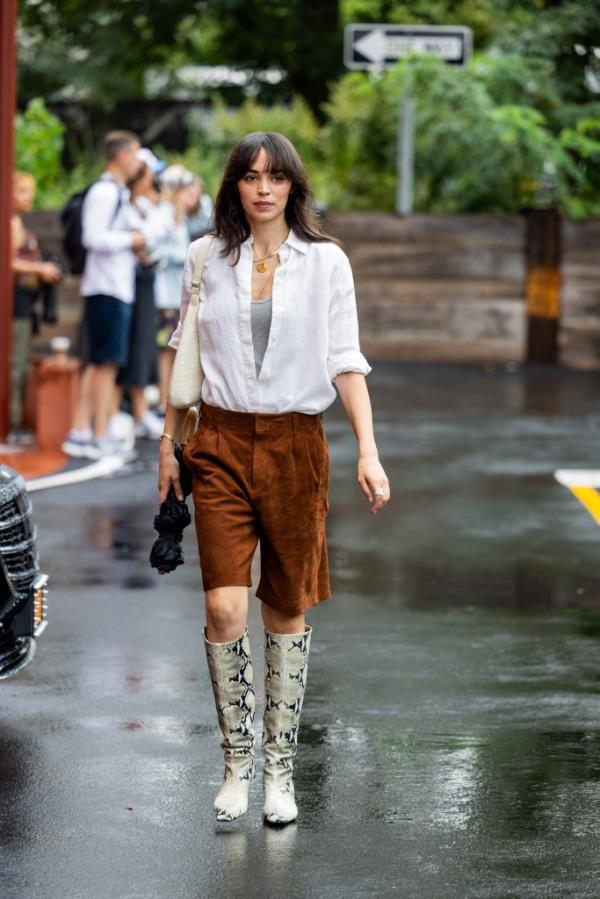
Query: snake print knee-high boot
[[286, 668], [231, 674]]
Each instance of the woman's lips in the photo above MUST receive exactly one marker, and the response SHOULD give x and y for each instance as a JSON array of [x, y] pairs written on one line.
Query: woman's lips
[[263, 205]]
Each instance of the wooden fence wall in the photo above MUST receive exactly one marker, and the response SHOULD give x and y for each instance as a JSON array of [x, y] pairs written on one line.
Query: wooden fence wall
[[437, 288], [579, 334]]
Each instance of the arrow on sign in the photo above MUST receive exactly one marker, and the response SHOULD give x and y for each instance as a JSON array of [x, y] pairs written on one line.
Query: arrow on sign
[[373, 46], [367, 46]]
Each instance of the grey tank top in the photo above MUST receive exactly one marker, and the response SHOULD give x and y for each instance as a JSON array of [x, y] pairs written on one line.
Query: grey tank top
[[260, 318]]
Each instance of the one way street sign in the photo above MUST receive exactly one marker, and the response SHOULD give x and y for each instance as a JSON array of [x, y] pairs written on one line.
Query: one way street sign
[[381, 46]]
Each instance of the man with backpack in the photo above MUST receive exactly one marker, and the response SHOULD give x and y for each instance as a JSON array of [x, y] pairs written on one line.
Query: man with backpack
[[103, 236]]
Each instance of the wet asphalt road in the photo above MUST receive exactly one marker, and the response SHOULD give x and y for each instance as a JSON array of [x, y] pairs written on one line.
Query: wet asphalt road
[[450, 744]]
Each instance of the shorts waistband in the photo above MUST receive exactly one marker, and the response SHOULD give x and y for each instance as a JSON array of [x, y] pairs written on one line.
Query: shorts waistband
[[253, 422]]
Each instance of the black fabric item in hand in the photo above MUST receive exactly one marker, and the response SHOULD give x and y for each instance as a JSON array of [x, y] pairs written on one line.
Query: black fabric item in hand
[[166, 553], [185, 475], [49, 304]]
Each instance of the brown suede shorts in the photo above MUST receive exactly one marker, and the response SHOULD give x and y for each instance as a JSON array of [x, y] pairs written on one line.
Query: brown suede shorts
[[262, 476]]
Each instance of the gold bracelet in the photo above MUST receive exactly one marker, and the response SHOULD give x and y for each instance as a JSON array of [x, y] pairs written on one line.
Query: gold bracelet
[[169, 437]]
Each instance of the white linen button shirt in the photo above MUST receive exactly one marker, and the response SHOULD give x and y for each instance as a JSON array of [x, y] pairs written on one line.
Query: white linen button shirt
[[313, 336]]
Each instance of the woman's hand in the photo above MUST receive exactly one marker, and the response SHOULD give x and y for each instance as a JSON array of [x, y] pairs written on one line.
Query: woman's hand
[[49, 273], [373, 481], [168, 473]]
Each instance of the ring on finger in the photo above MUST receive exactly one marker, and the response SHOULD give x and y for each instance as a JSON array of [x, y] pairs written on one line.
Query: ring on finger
[[379, 491]]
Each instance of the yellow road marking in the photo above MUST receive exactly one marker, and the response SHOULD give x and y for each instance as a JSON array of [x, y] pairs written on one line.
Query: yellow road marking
[[584, 484], [589, 498]]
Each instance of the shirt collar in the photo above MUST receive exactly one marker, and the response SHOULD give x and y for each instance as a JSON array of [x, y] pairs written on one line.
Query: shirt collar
[[292, 240], [297, 242]]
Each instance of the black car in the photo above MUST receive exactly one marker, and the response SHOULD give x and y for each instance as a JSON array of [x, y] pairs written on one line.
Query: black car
[[23, 588]]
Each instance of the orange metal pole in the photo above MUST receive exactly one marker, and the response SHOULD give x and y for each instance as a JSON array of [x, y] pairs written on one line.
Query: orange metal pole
[[8, 79]]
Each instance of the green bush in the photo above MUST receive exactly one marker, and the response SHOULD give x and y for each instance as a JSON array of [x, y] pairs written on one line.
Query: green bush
[[39, 141], [212, 140], [490, 137], [39, 145], [472, 153]]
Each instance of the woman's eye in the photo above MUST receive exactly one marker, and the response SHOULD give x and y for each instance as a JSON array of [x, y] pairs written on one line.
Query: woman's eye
[[249, 177]]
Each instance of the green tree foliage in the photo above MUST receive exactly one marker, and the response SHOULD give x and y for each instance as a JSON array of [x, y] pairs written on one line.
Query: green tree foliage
[[102, 51], [476, 149], [304, 39], [210, 144], [39, 144], [519, 125], [99, 51]]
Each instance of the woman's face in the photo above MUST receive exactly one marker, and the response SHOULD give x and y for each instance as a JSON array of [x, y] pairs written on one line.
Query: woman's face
[[263, 194], [191, 199], [142, 185], [23, 195]]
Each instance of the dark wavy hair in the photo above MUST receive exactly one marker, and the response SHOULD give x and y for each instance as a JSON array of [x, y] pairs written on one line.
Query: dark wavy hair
[[231, 224]]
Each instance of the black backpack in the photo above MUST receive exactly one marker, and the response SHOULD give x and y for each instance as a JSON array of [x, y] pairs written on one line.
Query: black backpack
[[71, 218]]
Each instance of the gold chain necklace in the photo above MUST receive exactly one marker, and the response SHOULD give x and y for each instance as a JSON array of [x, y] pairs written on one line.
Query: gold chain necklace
[[260, 263], [265, 286]]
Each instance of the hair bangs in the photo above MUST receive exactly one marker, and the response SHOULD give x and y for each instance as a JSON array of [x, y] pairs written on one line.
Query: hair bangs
[[281, 158]]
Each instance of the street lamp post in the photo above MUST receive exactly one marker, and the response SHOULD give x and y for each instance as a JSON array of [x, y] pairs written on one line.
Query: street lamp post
[[8, 64]]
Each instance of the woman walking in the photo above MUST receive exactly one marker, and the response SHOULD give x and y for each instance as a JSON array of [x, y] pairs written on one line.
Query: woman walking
[[278, 328]]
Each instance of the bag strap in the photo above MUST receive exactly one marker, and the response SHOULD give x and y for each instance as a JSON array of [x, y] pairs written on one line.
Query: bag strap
[[119, 201], [203, 246]]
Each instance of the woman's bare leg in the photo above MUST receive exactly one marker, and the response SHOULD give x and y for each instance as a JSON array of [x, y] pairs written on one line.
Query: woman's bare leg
[[226, 613], [277, 623], [139, 406], [82, 419]]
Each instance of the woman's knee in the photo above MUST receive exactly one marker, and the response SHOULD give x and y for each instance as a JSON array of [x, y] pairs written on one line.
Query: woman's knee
[[226, 608]]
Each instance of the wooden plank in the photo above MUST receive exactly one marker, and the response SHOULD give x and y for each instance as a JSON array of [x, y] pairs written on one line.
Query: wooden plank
[[444, 351]]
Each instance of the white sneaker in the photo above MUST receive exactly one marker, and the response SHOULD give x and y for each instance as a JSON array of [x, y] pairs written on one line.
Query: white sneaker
[[121, 431], [149, 426], [108, 446], [79, 447]]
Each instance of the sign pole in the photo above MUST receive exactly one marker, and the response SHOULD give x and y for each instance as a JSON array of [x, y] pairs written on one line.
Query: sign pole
[[405, 156], [379, 46], [8, 28]]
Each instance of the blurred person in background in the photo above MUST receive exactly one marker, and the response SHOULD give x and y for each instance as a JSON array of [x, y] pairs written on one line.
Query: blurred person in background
[[200, 219], [108, 289], [31, 274], [177, 192], [114, 234], [142, 363]]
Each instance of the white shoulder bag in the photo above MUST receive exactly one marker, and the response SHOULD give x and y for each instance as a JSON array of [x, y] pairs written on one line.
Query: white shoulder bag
[[186, 377]]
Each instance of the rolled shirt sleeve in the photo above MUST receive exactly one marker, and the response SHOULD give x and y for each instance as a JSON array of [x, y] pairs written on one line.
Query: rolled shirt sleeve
[[344, 350], [186, 293]]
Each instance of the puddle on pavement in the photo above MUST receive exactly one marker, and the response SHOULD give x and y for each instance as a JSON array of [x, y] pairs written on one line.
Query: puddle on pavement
[[113, 547], [503, 783]]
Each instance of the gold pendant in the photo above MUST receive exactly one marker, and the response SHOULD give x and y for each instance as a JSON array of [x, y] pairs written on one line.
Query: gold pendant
[[261, 266]]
